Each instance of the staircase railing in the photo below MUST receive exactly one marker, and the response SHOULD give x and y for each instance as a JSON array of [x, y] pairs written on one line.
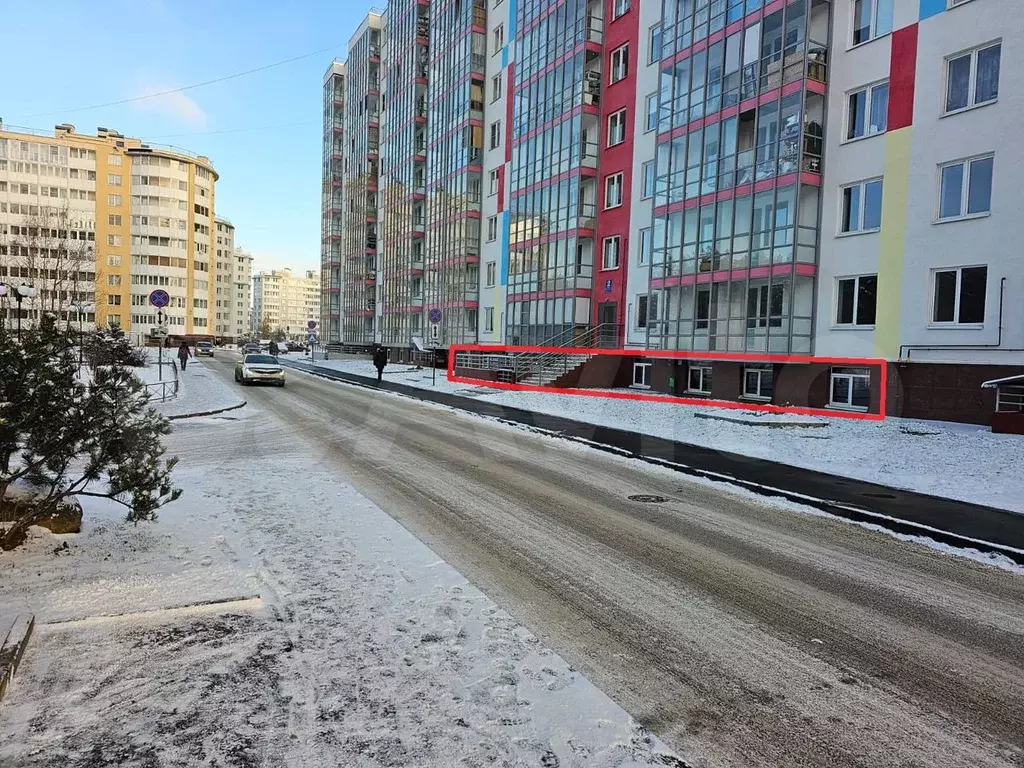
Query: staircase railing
[[525, 363]]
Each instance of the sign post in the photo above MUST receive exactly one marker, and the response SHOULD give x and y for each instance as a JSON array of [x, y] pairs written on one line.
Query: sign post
[[435, 335], [311, 339], [160, 299]]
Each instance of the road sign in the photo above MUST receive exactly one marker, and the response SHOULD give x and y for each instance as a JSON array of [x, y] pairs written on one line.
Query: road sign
[[435, 331], [311, 324], [159, 298], [607, 286], [435, 316]]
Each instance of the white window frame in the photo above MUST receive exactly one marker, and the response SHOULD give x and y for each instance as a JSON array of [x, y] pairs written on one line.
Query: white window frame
[[972, 85], [645, 375], [496, 87], [498, 39], [651, 31], [618, 68], [955, 322], [619, 8], [492, 228], [616, 241], [874, 35], [494, 134], [617, 128], [651, 98], [610, 181], [493, 181], [646, 192], [643, 255], [848, 375], [491, 274], [856, 302], [761, 371], [860, 228], [965, 190], [706, 377], [869, 100]]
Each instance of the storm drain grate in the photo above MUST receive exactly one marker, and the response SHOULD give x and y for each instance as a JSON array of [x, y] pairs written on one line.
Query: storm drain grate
[[648, 498]]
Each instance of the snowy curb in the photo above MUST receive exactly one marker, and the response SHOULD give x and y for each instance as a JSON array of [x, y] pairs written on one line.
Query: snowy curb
[[208, 413], [13, 648], [757, 421]]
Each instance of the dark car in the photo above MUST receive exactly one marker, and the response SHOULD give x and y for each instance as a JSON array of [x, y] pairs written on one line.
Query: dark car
[[252, 347]]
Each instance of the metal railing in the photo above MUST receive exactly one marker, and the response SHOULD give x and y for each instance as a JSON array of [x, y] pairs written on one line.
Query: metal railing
[[1010, 399], [552, 365]]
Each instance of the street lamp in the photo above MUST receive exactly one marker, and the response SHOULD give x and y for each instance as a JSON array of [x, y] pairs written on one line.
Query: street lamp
[[81, 308], [25, 291]]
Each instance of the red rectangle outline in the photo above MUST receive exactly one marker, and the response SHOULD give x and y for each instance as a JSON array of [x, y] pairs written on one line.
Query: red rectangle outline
[[676, 355]]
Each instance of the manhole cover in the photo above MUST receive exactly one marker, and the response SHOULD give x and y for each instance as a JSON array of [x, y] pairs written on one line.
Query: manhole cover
[[648, 498]]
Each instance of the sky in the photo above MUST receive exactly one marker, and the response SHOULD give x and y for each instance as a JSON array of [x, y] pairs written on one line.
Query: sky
[[261, 131]]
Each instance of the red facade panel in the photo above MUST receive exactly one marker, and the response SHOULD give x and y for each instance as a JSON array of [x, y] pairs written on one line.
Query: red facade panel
[[902, 71]]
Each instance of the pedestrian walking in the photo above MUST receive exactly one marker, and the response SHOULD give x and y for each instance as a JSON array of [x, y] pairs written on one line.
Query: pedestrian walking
[[380, 359], [274, 349], [183, 354]]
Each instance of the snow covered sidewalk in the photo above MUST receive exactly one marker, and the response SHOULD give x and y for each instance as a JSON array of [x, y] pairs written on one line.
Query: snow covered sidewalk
[[200, 391], [368, 650], [959, 461]]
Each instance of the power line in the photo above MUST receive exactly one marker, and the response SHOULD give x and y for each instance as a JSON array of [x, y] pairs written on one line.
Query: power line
[[179, 90]]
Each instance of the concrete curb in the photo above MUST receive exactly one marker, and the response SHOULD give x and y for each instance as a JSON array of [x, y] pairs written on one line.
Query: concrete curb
[[13, 649], [949, 521], [208, 413]]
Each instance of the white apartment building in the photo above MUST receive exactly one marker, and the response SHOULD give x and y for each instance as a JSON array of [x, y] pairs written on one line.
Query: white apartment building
[[233, 280], [285, 301]]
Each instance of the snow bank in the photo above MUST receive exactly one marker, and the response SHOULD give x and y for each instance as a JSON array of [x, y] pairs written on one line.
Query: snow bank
[[200, 390]]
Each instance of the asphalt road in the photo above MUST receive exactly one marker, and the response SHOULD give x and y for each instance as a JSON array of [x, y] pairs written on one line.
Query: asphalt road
[[742, 633]]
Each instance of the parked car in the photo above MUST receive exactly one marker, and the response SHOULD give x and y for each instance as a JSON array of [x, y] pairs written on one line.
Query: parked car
[[254, 369], [251, 348], [204, 349]]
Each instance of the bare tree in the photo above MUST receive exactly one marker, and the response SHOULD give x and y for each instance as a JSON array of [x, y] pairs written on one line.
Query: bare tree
[[53, 248]]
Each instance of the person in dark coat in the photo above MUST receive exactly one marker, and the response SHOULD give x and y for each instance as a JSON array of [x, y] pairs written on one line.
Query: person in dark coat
[[380, 359], [184, 354], [274, 349]]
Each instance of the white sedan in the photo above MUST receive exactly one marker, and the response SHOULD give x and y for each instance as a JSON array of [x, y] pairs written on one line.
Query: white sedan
[[255, 369]]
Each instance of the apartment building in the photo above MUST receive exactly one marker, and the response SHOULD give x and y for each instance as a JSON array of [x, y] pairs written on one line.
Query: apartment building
[[718, 178], [332, 202], [95, 223], [233, 285], [285, 301]]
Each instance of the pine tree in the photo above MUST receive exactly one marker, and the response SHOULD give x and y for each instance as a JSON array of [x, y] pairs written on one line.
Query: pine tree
[[63, 436]]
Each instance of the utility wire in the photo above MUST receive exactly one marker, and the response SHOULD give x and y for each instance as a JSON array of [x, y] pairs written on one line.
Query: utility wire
[[183, 88]]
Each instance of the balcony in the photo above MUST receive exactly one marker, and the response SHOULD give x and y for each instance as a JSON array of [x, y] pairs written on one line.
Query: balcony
[[587, 216], [592, 89], [478, 63], [420, 110], [374, 51], [588, 154], [476, 156], [595, 29], [479, 16], [416, 300]]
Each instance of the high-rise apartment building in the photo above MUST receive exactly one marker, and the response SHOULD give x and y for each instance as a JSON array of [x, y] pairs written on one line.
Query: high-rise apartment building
[[282, 300], [332, 203], [797, 177], [233, 285], [101, 221]]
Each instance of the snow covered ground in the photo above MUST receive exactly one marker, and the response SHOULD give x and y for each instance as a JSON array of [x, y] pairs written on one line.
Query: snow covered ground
[[200, 390], [362, 649], [958, 461]]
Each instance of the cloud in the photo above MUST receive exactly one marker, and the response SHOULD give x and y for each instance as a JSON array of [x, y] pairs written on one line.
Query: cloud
[[175, 105]]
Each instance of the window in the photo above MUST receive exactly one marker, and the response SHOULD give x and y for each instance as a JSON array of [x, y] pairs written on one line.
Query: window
[[495, 134], [871, 19], [113, 280], [654, 44], [492, 179], [643, 255], [114, 240], [961, 197], [764, 306], [113, 159], [617, 128], [850, 388], [488, 319], [113, 260], [642, 375], [867, 111], [960, 295], [496, 87], [610, 252], [114, 219], [613, 190], [652, 113], [699, 378], [702, 309], [491, 273], [972, 78], [856, 300], [492, 229], [114, 300], [499, 38], [647, 174], [114, 200], [757, 383], [640, 321], [620, 64], [619, 7], [114, 179], [862, 207]]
